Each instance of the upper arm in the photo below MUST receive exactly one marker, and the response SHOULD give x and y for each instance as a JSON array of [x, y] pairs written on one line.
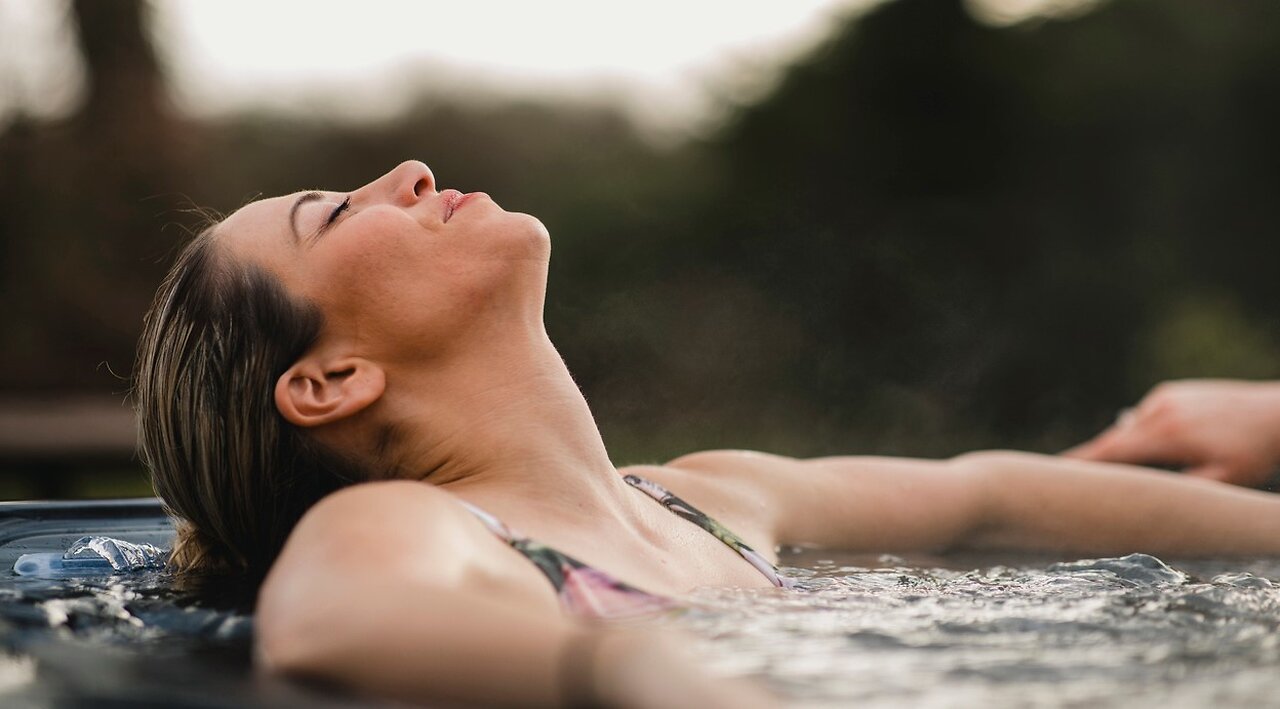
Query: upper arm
[[864, 503]]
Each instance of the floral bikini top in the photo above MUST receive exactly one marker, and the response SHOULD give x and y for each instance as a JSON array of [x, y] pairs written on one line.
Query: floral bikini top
[[589, 592]]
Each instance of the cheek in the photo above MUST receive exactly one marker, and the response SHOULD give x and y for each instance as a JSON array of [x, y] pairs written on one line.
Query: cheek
[[392, 290], [374, 248], [391, 279]]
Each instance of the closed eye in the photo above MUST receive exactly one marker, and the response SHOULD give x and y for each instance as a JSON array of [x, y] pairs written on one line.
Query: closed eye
[[333, 216]]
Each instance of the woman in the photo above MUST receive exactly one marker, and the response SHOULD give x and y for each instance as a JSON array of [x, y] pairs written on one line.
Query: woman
[[393, 336]]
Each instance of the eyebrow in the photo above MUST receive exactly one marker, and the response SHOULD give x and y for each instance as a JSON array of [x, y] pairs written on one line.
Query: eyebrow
[[293, 212]]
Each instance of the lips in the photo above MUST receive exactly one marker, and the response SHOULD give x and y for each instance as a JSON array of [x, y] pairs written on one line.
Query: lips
[[452, 200]]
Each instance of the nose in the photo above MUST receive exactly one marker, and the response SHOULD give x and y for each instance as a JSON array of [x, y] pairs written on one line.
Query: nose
[[407, 183]]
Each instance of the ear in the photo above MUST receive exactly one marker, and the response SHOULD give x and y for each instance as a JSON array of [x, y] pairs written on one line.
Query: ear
[[315, 391]]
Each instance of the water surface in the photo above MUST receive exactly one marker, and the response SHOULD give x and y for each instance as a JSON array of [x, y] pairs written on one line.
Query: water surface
[[885, 631]]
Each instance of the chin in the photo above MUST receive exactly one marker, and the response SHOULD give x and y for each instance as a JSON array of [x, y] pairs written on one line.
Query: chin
[[533, 228], [533, 224]]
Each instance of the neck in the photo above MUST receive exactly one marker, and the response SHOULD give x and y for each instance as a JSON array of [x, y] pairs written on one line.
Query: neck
[[507, 425]]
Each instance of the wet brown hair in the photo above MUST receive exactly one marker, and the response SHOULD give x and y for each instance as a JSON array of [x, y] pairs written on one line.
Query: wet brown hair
[[234, 474]]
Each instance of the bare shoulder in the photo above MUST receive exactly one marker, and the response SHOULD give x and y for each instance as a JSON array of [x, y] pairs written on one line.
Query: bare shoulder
[[364, 523], [402, 532], [740, 463], [394, 502], [744, 478]]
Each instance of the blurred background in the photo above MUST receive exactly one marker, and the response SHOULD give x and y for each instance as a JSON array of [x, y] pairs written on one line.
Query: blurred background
[[900, 227]]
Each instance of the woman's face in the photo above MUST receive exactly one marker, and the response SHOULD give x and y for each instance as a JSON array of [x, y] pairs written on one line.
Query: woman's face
[[396, 265]]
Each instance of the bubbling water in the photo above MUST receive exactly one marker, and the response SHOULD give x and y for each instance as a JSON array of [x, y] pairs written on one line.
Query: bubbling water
[[1129, 631]]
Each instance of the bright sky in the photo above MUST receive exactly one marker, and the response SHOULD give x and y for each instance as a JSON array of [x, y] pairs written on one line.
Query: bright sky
[[657, 57], [665, 60]]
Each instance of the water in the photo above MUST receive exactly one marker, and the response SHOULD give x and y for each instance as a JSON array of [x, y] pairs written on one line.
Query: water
[[860, 630], [132, 641], [1026, 632]]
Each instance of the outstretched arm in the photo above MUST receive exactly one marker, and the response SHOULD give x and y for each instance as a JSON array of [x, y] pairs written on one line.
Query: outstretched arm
[[996, 500], [1048, 502]]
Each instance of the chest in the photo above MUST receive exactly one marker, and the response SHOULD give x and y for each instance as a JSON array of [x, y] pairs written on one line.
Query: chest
[[681, 546], [685, 558]]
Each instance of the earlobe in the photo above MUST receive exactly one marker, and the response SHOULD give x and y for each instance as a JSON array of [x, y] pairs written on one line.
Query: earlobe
[[314, 392]]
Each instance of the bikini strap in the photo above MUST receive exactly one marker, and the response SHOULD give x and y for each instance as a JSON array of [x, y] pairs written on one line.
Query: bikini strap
[[693, 514], [581, 589]]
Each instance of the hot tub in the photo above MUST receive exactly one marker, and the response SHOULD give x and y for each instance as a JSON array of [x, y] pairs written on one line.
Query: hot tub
[[127, 640]]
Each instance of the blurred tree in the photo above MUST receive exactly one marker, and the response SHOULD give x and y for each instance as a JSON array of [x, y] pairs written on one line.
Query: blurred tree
[[972, 227], [80, 200]]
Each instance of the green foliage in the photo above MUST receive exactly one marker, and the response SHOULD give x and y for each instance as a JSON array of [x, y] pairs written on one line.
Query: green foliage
[[1207, 335]]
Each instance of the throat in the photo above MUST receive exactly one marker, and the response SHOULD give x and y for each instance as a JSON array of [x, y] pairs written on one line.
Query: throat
[[514, 423]]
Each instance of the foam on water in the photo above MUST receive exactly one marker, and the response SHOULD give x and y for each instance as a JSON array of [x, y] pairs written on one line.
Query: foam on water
[[1129, 631]]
